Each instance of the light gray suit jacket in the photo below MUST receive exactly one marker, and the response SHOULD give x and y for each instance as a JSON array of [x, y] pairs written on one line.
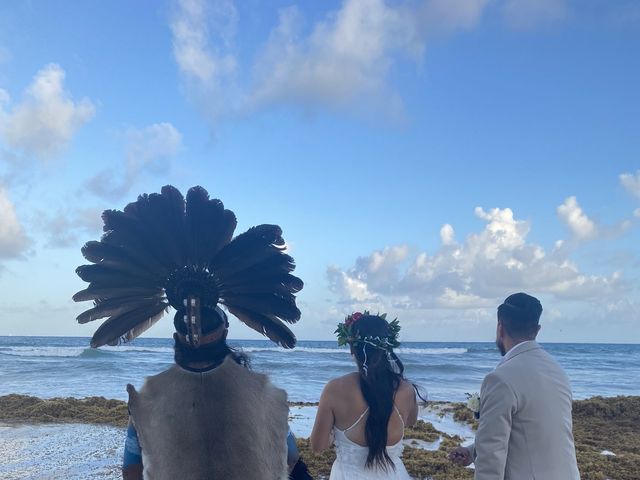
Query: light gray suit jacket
[[525, 430]]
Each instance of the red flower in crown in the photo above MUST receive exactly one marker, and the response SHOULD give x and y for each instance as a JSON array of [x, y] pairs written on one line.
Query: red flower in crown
[[353, 318]]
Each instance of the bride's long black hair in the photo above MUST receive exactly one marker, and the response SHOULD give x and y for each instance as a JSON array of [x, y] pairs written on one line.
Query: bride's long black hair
[[379, 382]]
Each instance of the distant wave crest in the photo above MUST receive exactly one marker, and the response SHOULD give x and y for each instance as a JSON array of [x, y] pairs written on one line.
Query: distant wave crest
[[285, 350], [433, 351], [83, 352], [412, 351]]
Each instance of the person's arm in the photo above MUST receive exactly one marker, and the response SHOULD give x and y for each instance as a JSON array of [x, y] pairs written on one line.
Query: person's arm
[[498, 403], [132, 459], [321, 433], [292, 451]]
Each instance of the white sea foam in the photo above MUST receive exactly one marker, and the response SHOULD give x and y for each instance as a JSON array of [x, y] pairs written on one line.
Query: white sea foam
[[297, 349], [412, 351], [29, 351], [131, 348], [76, 351], [19, 351], [432, 351]]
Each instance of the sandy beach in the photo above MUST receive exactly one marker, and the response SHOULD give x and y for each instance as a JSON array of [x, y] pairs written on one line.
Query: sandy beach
[[83, 438]]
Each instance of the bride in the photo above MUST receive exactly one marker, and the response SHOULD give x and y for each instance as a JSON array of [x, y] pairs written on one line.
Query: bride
[[364, 413]]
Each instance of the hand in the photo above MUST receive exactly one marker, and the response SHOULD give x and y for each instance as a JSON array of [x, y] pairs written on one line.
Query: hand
[[460, 456]]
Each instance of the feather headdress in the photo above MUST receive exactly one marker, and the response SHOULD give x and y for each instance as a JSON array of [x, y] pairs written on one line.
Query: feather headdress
[[163, 251]]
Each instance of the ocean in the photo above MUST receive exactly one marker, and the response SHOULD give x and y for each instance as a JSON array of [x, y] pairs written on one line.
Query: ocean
[[66, 367]]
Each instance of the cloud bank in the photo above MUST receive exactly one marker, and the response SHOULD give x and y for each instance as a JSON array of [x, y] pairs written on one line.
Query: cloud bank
[[46, 119], [13, 239], [473, 274], [343, 59]]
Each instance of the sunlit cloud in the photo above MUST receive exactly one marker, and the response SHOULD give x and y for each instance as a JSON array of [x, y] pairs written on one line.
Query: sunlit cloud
[[46, 119]]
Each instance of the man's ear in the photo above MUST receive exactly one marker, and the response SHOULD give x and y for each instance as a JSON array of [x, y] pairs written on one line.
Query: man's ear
[[500, 330], [537, 331]]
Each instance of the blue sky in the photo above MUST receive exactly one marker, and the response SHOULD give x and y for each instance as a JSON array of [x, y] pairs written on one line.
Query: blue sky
[[425, 158]]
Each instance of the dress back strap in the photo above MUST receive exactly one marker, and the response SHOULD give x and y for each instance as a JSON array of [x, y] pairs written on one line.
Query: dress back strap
[[400, 415], [357, 421]]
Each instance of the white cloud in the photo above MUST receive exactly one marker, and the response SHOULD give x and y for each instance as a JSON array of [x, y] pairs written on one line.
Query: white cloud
[[447, 235], [64, 228], [47, 118], [148, 150], [529, 13], [347, 287], [484, 269], [13, 239], [631, 183], [202, 35], [572, 215], [347, 56], [342, 60]]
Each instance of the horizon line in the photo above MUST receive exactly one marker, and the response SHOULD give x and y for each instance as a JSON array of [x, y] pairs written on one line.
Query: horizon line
[[330, 340]]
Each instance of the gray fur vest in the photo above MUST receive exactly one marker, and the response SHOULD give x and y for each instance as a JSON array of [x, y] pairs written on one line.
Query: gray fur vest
[[228, 423]]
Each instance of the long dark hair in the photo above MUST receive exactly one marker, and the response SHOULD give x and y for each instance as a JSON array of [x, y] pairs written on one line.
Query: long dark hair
[[212, 353], [379, 381]]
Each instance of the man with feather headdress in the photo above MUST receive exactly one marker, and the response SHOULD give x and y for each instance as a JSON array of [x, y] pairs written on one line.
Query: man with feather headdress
[[208, 416]]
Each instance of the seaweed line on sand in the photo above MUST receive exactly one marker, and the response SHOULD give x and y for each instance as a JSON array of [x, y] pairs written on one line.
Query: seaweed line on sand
[[600, 424]]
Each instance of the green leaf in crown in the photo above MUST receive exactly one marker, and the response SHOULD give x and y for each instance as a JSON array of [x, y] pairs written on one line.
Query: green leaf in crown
[[348, 334]]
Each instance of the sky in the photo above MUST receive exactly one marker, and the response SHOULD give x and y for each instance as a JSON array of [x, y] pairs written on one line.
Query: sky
[[425, 158]]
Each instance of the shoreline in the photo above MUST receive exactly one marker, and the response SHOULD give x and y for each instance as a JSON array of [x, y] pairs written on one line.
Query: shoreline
[[605, 428]]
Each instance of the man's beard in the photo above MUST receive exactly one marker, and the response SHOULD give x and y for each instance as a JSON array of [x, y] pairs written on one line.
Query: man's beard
[[500, 345]]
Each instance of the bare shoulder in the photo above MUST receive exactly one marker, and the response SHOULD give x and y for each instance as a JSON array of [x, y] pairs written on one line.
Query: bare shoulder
[[407, 388], [340, 383], [406, 393]]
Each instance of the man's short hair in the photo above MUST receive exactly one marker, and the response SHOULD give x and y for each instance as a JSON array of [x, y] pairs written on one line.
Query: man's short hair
[[520, 315]]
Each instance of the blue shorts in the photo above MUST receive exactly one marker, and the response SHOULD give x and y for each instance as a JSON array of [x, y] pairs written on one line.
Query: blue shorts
[[132, 452]]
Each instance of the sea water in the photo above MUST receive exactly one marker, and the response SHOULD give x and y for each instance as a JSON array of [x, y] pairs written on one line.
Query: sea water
[[66, 367]]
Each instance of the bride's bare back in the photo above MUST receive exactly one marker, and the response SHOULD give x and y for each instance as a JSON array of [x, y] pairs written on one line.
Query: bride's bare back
[[342, 404]]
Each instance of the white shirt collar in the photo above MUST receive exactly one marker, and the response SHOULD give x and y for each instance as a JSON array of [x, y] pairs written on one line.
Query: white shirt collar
[[515, 349]]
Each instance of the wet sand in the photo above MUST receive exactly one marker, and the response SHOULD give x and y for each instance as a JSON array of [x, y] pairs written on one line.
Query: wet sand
[[82, 438]]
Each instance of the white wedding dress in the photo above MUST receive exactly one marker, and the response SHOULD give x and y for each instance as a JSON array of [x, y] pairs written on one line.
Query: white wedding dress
[[351, 458]]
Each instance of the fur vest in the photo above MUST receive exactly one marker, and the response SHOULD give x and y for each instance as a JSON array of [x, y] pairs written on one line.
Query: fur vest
[[228, 423]]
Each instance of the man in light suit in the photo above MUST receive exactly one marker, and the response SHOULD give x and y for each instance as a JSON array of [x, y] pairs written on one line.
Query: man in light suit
[[525, 429]]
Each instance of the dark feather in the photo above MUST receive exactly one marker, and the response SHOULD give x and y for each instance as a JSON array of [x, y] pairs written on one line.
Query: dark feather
[[273, 328], [271, 305], [124, 230], [118, 326], [163, 243], [264, 271], [140, 328], [93, 292], [254, 243], [108, 276], [281, 284], [209, 226], [115, 306], [117, 258], [155, 214]]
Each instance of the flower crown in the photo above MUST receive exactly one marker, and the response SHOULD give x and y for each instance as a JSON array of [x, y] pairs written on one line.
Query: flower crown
[[348, 333]]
